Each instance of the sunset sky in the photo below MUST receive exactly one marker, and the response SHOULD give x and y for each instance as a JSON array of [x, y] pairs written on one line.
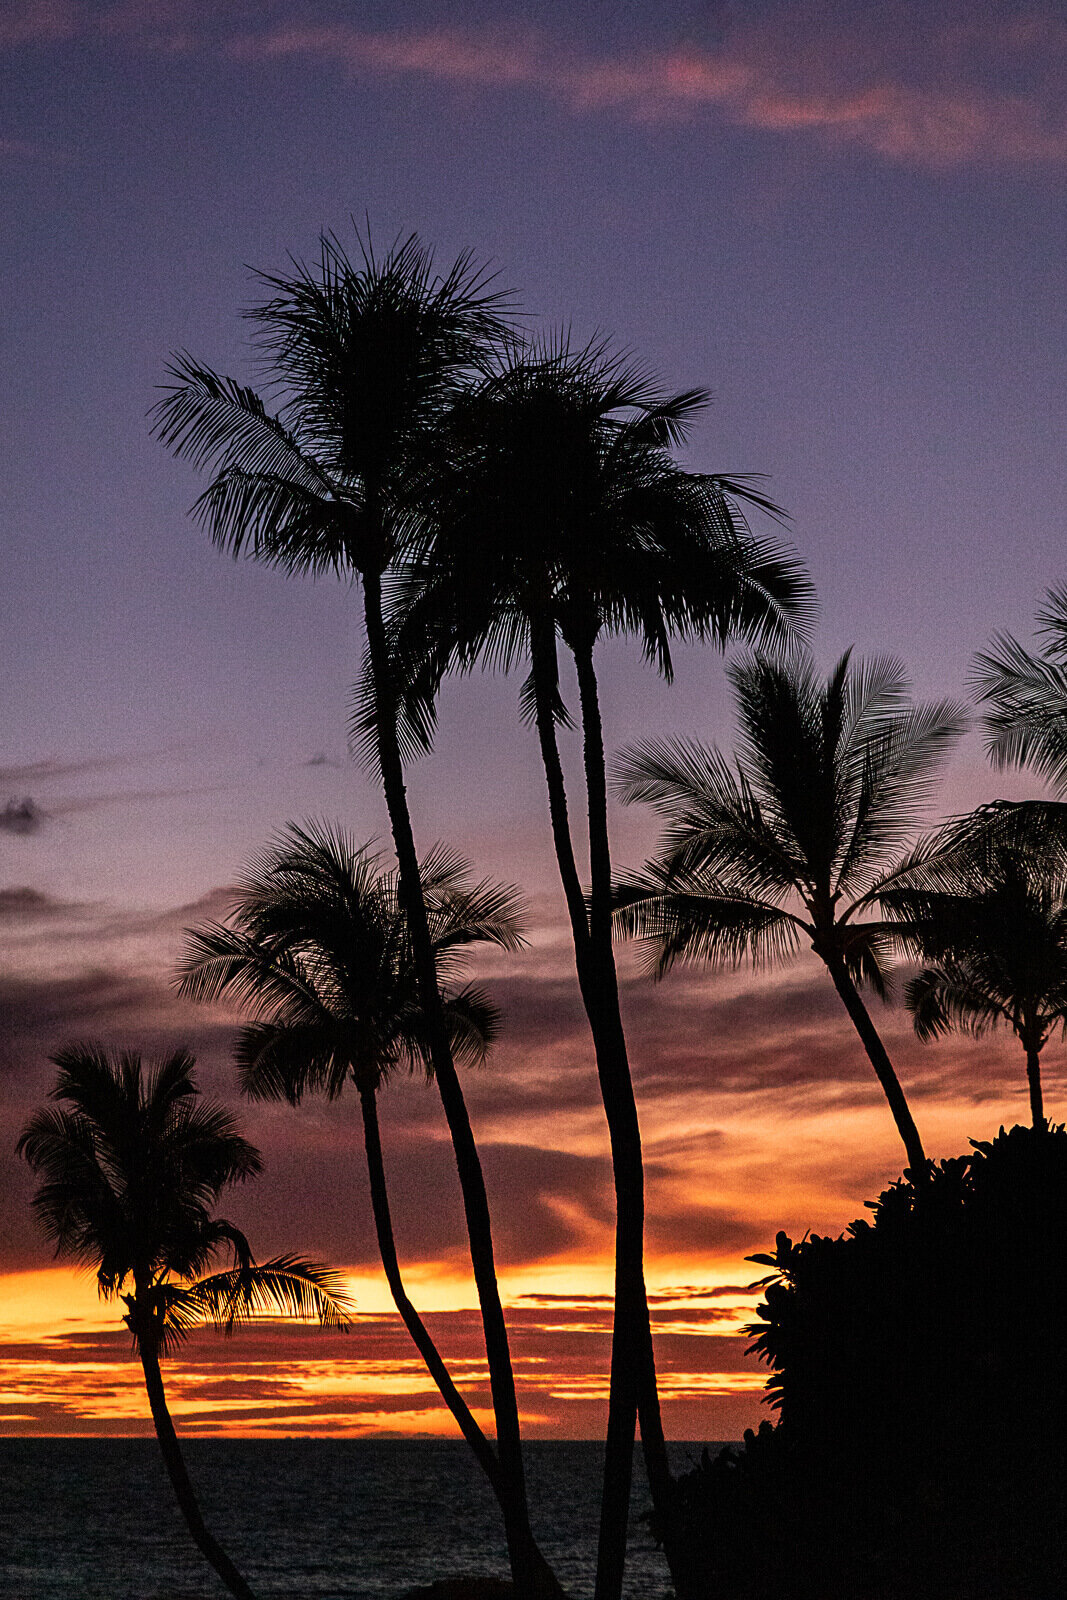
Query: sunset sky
[[848, 221]]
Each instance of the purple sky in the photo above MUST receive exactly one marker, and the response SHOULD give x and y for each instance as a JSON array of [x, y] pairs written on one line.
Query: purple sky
[[847, 220]]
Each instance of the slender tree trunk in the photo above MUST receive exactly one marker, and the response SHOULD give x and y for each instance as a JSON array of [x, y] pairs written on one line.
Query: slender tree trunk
[[531, 1573], [179, 1477], [1033, 1078], [881, 1063], [620, 1104], [628, 1359], [455, 1402]]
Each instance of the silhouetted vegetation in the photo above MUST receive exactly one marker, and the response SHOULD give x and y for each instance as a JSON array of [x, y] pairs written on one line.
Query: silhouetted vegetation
[[793, 843], [990, 924], [917, 1364], [131, 1163], [502, 500], [555, 515], [1026, 695], [316, 948], [367, 358]]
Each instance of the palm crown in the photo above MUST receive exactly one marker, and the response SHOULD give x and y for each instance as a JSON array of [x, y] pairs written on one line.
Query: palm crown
[[318, 946], [559, 506], [990, 922], [132, 1163], [792, 841], [366, 357]]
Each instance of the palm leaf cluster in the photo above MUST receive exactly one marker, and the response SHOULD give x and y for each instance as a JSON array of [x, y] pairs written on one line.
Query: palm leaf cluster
[[988, 920], [790, 842], [793, 841], [318, 949], [556, 505], [499, 497], [132, 1163], [363, 361]]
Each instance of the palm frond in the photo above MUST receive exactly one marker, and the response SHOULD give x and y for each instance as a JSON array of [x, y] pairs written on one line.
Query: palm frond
[[891, 774], [286, 1060], [473, 1024], [942, 999], [714, 820], [692, 919], [1026, 724], [287, 1285], [213, 421]]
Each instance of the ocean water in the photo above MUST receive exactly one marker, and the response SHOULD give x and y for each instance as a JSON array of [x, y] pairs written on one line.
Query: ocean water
[[95, 1519]]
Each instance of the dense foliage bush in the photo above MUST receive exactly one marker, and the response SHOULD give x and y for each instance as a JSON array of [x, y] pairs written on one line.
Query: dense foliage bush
[[918, 1368]]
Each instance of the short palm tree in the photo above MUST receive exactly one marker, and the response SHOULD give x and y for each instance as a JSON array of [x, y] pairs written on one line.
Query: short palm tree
[[316, 948], [793, 842], [365, 358], [558, 515], [989, 923], [1026, 692], [131, 1163]]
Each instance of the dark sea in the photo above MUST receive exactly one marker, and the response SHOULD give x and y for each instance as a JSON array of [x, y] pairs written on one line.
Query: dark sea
[[95, 1519]]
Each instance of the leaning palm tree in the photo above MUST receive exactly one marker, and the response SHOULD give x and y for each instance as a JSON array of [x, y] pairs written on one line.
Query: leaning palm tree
[[365, 359], [990, 925], [558, 515], [1026, 692], [791, 844], [131, 1163], [316, 948]]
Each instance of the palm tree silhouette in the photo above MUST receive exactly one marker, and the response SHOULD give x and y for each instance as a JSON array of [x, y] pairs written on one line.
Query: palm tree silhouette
[[557, 514], [990, 924], [367, 357], [1026, 692], [316, 947], [792, 842], [132, 1162]]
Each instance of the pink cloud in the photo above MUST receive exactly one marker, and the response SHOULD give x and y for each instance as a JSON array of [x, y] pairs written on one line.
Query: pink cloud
[[916, 85], [849, 91]]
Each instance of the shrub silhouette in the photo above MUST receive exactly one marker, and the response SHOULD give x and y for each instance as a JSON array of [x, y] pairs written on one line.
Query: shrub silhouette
[[917, 1365]]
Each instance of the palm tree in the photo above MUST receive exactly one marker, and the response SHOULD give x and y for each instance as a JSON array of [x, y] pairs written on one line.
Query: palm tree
[[558, 514], [367, 357], [792, 842], [132, 1162], [316, 947], [1026, 692], [990, 924]]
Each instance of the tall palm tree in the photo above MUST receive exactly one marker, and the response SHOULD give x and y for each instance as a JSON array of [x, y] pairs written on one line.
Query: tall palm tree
[[792, 843], [558, 515], [132, 1163], [366, 357], [316, 948], [990, 924], [1026, 692]]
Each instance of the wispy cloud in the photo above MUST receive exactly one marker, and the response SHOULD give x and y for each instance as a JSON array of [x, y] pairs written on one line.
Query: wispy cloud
[[828, 74], [932, 85]]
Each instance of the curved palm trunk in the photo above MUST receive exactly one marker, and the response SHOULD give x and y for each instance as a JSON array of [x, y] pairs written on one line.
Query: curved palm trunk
[[531, 1573], [620, 1103], [881, 1063], [1033, 1079], [383, 1224], [631, 1353], [174, 1462]]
